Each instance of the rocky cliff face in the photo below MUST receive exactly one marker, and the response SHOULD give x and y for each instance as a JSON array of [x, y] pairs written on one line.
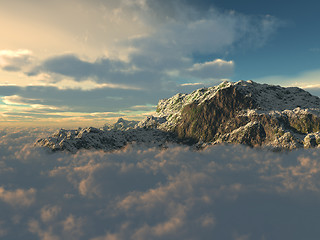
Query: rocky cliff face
[[243, 112], [246, 113]]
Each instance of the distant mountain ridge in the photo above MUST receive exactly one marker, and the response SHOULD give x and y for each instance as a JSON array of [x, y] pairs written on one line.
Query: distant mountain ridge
[[245, 112]]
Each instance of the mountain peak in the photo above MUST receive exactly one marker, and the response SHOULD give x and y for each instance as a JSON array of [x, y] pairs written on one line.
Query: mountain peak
[[244, 112], [237, 112]]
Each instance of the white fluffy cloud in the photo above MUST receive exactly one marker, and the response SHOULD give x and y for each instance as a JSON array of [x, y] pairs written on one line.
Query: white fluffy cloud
[[14, 60], [223, 192], [213, 69]]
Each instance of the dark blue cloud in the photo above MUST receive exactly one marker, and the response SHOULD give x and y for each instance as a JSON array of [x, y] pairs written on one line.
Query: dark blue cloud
[[103, 70], [97, 100], [72, 66], [68, 65], [9, 90], [12, 68]]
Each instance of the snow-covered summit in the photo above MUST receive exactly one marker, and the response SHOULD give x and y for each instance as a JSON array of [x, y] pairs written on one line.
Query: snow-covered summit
[[267, 97], [277, 98]]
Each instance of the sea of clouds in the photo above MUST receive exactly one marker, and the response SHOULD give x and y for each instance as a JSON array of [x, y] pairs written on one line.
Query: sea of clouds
[[222, 192]]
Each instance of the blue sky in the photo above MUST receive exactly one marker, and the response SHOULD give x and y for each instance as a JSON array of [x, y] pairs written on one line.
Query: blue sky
[[293, 49], [81, 62], [290, 51]]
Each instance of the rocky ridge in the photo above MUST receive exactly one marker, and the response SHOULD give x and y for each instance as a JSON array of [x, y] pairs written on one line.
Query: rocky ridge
[[244, 112], [107, 140]]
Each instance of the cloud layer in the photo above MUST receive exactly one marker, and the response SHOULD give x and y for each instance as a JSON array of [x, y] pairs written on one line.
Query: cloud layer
[[223, 192]]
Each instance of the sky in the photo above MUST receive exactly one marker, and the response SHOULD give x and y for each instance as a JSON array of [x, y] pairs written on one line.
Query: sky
[[229, 192], [84, 63]]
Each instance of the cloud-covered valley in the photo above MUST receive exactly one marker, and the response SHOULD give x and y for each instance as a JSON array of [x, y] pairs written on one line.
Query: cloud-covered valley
[[222, 192]]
